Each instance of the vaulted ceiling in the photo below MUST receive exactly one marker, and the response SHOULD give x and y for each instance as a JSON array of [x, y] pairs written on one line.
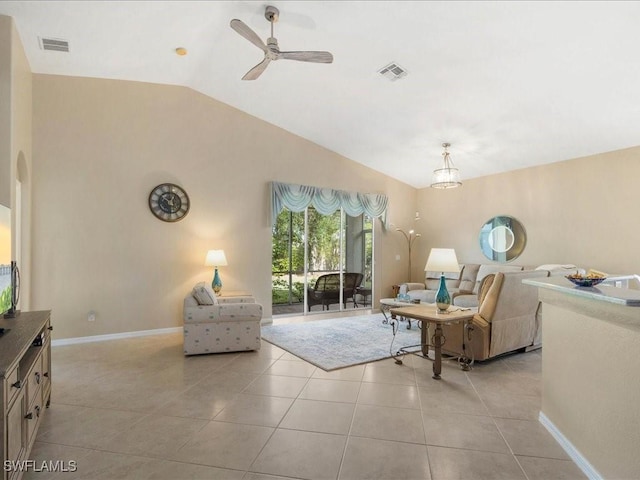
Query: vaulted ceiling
[[508, 84]]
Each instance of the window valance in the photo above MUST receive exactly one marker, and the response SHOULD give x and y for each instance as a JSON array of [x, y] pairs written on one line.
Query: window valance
[[326, 201]]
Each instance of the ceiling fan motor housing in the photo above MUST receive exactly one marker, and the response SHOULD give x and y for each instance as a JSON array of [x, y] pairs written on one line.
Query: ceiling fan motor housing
[[273, 52], [272, 14]]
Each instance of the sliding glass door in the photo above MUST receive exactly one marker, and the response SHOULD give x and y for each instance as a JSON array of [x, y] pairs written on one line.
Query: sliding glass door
[[321, 262]]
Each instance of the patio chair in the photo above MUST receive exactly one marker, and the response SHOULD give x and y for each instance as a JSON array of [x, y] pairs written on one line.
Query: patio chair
[[326, 290]]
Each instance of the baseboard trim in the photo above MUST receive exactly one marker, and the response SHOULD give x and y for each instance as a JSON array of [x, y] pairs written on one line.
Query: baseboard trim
[[582, 463], [114, 336]]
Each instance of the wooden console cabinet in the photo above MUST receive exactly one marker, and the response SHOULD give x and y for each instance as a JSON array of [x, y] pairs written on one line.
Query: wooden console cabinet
[[25, 385]]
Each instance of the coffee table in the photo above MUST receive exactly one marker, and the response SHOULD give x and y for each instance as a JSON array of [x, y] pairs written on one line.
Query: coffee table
[[428, 313], [386, 304]]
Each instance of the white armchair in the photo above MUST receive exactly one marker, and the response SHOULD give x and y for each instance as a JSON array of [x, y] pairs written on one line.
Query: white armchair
[[215, 324]]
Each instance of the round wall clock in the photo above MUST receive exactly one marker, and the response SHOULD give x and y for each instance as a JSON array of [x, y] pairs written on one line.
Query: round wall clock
[[169, 202]]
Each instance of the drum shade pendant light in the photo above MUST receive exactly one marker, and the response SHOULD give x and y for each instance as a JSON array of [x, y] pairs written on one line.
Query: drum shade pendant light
[[448, 176]]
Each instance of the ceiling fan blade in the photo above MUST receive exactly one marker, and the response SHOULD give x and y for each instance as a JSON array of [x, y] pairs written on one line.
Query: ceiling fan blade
[[316, 57], [240, 27], [256, 71]]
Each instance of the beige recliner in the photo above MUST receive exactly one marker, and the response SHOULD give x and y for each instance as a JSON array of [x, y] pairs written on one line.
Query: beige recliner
[[508, 317]]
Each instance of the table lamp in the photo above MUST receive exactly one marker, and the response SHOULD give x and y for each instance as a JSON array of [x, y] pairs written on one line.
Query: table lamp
[[442, 260], [216, 258]]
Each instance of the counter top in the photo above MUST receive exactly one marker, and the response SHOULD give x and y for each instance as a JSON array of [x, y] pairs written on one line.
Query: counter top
[[20, 332], [603, 293]]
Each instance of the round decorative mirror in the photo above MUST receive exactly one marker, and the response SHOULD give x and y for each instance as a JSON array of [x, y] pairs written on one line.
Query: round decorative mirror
[[502, 238]]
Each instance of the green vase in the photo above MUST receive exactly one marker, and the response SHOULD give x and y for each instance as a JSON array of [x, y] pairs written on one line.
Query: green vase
[[216, 284], [443, 299]]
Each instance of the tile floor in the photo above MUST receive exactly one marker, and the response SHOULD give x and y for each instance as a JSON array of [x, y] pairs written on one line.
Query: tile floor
[[138, 409]]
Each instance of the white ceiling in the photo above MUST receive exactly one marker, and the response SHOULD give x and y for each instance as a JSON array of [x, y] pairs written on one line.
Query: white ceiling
[[508, 84]]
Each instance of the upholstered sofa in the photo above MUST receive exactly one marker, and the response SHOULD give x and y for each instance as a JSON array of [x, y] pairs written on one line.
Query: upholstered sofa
[[214, 324], [464, 286], [326, 290]]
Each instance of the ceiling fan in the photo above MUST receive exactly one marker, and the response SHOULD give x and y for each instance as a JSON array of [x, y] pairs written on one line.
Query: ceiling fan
[[270, 49]]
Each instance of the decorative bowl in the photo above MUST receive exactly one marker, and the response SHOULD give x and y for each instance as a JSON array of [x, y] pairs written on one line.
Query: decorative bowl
[[585, 280]]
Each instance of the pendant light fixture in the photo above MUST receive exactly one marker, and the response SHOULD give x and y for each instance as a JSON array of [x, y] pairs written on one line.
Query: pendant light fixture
[[448, 176]]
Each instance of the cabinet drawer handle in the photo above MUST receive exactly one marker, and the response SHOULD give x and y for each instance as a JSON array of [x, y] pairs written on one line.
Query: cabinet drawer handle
[[46, 374], [29, 416], [18, 384], [37, 377], [37, 408], [49, 327]]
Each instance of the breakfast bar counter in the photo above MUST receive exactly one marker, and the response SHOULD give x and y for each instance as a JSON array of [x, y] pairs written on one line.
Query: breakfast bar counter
[[602, 292], [590, 372]]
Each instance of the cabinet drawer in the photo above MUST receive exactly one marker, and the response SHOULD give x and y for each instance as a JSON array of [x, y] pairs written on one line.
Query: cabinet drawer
[[46, 370], [16, 435], [32, 419], [12, 385], [34, 381]]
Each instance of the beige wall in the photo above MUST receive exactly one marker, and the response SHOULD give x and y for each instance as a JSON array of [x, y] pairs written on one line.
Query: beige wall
[[15, 144], [21, 163], [576, 211], [590, 391], [6, 26], [100, 146]]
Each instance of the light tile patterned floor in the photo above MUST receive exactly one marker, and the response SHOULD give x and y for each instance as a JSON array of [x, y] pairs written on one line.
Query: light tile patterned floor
[[138, 409]]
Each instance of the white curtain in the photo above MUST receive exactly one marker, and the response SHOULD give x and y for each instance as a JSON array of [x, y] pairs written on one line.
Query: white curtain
[[326, 201]]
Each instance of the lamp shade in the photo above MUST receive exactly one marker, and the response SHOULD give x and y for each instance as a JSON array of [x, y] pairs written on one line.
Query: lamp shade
[[215, 258], [442, 260], [448, 176]]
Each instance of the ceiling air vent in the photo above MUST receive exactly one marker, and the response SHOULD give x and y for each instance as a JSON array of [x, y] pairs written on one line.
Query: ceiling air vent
[[55, 44], [393, 71]]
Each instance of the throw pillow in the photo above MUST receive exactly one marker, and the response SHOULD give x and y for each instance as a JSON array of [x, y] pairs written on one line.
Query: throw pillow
[[203, 294]]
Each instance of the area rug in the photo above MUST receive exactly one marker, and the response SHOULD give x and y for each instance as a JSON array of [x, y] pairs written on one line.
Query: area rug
[[341, 342]]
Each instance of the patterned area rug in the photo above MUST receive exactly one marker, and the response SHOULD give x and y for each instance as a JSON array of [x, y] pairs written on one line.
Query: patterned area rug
[[341, 342]]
